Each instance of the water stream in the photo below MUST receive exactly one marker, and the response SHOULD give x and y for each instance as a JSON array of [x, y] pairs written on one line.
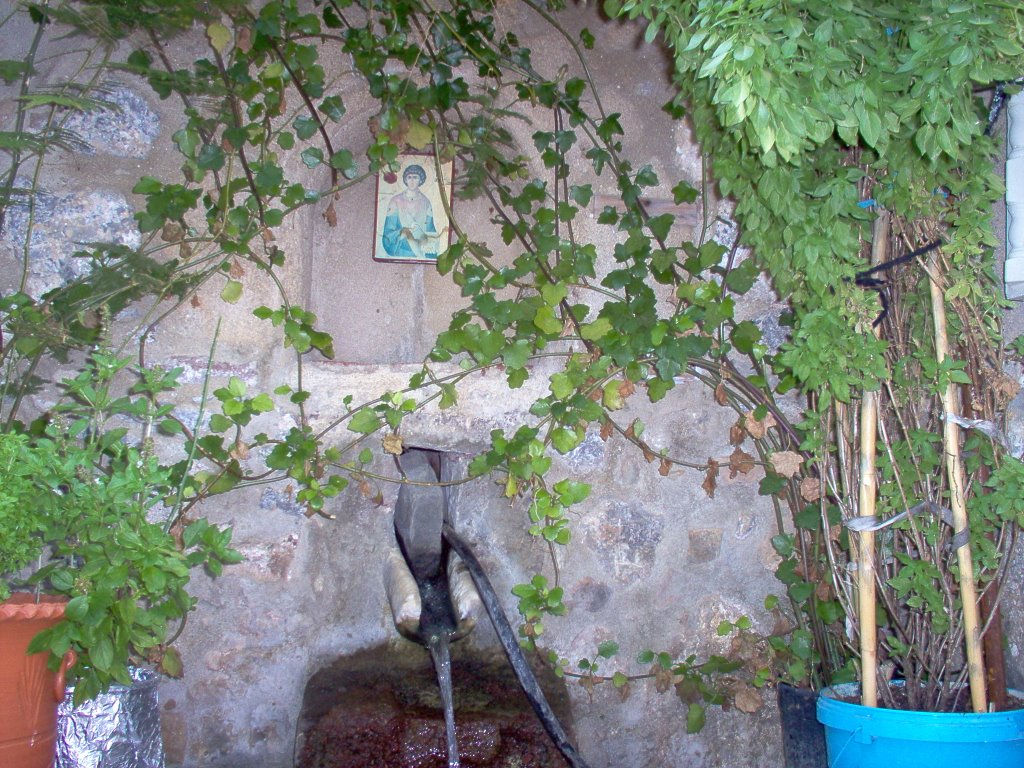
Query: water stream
[[440, 653]]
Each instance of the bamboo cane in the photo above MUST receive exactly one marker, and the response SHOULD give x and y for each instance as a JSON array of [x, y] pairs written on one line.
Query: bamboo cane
[[957, 482], [866, 596]]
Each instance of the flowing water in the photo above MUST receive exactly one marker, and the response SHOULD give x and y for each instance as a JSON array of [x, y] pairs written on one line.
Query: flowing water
[[440, 652]]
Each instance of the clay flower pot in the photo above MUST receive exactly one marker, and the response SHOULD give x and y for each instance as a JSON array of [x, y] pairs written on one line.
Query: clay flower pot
[[29, 691]]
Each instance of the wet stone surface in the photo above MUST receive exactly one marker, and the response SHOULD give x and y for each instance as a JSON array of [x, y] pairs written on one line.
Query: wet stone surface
[[374, 710]]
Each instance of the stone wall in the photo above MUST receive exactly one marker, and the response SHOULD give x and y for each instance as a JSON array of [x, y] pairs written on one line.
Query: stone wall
[[657, 563]]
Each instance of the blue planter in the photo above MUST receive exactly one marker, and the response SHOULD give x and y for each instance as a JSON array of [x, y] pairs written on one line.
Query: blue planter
[[865, 737]]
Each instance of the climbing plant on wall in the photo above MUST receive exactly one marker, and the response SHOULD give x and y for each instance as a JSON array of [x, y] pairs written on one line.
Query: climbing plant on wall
[[824, 121]]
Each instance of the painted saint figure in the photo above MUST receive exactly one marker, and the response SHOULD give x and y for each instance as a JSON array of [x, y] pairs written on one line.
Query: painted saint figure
[[409, 231]]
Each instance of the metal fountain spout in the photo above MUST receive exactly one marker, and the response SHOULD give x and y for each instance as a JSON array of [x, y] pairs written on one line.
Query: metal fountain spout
[[432, 582], [429, 589], [433, 600]]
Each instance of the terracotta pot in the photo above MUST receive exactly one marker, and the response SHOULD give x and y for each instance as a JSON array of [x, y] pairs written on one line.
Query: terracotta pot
[[29, 691]]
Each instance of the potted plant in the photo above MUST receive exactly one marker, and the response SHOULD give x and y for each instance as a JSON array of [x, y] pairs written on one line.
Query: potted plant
[[865, 195], [93, 520], [28, 725]]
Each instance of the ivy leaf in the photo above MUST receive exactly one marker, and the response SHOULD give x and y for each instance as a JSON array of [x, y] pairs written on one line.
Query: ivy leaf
[[344, 162], [745, 335], [211, 158], [611, 396], [219, 36], [333, 107], [232, 292], [449, 396], [420, 136], [740, 462], [170, 663], [596, 330], [564, 439], [304, 127], [684, 192], [695, 718], [364, 421], [312, 156], [546, 321], [607, 649], [660, 225], [516, 355]]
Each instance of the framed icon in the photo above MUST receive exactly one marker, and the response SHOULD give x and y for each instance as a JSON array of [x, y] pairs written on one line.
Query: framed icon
[[411, 222]]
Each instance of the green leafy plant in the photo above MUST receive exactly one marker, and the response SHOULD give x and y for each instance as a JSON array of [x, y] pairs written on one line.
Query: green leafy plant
[[817, 157], [95, 517]]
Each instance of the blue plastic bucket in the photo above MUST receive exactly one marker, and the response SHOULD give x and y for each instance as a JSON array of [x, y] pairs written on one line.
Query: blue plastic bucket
[[867, 737]]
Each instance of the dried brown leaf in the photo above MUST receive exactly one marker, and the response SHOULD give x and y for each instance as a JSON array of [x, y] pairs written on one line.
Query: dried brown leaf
[[740, 462], [786, 463], [758, 428], [172, 232], [737, 434], [331, 216], [823, 591], [688, 691], [782, 627], [606, 430], [710, 479], [624, 691], [626, 388], [393, 444], [236, 270], [588, 682], [649, 455], [243, 39], [240, 451], [747, 699], [720, 396], [665, 467], [662, 678], [810, 489], [194, 301], [400, 133]]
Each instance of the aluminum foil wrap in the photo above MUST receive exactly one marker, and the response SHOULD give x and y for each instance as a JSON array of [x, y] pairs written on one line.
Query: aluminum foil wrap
[[118, 729]]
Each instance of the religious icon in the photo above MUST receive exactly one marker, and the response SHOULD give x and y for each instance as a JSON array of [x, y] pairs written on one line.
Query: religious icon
[[412, 219]]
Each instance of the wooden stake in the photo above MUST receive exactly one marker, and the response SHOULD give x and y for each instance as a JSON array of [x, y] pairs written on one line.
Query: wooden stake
[[867, 491], [957, 483]]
